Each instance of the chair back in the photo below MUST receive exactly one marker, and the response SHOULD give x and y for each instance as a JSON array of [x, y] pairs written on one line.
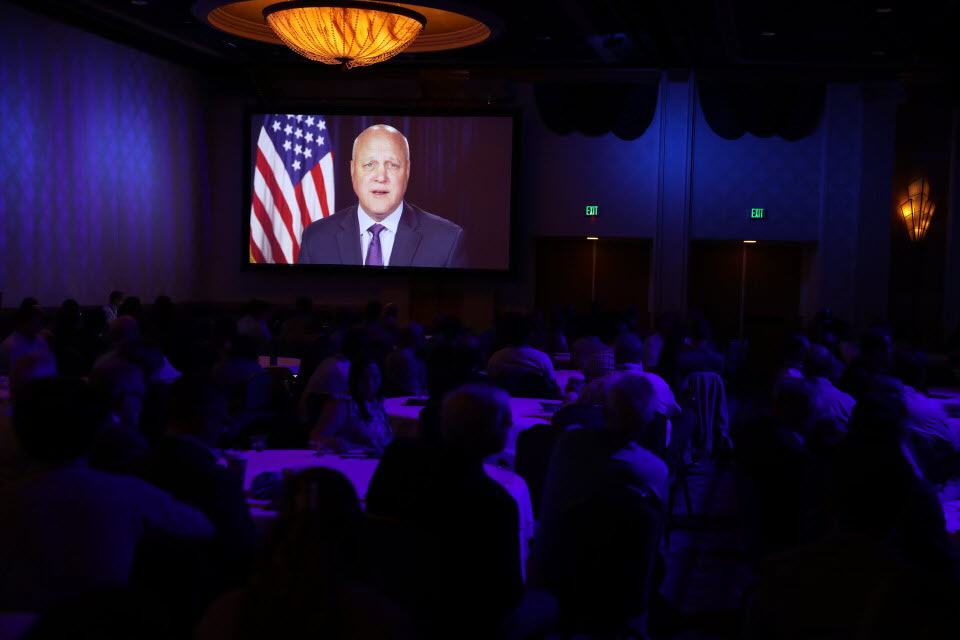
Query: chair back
[[712, 429]]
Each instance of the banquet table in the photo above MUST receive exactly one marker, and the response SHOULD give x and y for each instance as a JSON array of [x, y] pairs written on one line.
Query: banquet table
[[359, 470]]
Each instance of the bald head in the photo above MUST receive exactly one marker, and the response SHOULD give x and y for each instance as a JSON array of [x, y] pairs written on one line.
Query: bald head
[[475, 418], [384, 129], [380, 169]]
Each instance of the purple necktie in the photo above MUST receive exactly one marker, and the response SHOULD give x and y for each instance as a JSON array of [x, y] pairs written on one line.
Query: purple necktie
[[375, 252]]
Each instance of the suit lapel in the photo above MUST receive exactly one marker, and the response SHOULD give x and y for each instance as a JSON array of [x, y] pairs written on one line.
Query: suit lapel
[[408, 237], [348, 239]]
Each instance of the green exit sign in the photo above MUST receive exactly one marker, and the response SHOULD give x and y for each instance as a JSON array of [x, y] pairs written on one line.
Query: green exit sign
[[758, 214], [593, 209]]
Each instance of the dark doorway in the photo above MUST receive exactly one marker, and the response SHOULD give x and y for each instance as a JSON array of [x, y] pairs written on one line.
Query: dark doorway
[[773, 289], [566, 273]]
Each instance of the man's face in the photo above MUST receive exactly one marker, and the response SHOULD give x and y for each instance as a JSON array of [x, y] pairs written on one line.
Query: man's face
[[380, 171]]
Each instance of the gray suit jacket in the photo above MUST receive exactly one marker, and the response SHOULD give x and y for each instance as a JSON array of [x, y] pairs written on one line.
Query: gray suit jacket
[[422, 240]]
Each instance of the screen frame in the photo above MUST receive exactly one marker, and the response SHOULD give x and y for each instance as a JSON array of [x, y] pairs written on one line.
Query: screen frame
[[373, 109]]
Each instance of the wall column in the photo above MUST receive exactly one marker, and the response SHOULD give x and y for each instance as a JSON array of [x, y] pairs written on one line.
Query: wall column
[[668, 286]]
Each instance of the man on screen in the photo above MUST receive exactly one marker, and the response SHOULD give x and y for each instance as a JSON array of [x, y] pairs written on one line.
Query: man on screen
[[382, 230]]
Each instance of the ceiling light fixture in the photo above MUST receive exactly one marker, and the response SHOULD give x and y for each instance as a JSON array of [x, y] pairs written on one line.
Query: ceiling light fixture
[[768, 34], [884, 9], [353, 34]]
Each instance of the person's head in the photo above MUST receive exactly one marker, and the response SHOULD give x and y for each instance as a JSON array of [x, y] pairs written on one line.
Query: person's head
[[130, 307], [196, 407], [699, 328], [123, 385], [380, 168], [819, 362], [630, 406], [364, 380], [116, 298], [123, 330], [69, 314], [876, 349], [880, 415], [56, 420], [627, 350], [795, 405], [29, 317], [475, 419]]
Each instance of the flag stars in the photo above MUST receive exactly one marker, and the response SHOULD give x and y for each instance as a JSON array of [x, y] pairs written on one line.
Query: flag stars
[[308, 152], [290, 115], [322, 124], [319, 141], [276, 125], [309, 137], [296, 165], [299, 133], [286, 145], [310, 121], [298, 149], [299, 118], [288, 129]]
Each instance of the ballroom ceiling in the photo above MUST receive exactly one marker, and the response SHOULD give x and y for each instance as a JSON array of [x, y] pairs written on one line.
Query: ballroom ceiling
[[870, 39]]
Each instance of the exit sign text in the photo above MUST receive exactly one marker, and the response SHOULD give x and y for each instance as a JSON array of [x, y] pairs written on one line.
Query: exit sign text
[[593, 209], [758, 214]]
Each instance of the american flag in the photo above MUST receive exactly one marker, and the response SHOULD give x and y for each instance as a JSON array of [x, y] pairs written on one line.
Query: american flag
[[292, 184]]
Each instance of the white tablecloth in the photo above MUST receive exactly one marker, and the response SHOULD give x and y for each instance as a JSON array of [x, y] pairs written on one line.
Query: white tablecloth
[[360, 470]]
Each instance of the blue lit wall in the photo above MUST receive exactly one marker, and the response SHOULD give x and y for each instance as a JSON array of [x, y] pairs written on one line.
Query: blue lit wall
[[730, 177], [101, 176]]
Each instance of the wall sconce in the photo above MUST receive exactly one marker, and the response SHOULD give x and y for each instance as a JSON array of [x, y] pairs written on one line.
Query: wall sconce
[[917, 209]]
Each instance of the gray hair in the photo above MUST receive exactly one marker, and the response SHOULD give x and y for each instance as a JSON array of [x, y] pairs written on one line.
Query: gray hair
[[474, 418], [381, 127]]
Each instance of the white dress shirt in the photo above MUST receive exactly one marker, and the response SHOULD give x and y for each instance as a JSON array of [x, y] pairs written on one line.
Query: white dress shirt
[[387, 236]]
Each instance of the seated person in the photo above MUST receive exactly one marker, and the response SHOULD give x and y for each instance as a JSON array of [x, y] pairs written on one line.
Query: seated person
[[518, 355], [27, 336], [463, 571], [404, 372], [935, 443], [697, 353], [317, 579], [589, 463], [183, 463], [68, 528], [831, 402], [359, 419], [120, 444], [241, 363]]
